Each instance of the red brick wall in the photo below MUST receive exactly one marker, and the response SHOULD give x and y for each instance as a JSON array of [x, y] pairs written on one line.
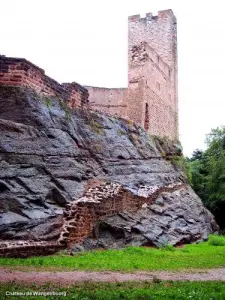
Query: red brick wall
[[20, 72]]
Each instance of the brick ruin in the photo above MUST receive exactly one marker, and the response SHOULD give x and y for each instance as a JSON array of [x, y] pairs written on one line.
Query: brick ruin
[[100, 199], [104, 199], [151, 97], [21, 72]]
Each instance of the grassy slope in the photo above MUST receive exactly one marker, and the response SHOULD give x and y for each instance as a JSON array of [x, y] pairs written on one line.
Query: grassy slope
[[134, 290], [203, 255]]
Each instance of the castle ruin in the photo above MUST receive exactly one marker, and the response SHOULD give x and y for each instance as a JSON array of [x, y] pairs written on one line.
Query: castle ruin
[[151, 99]]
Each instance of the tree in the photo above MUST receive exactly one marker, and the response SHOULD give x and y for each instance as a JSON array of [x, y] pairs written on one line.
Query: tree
[[208, 173]]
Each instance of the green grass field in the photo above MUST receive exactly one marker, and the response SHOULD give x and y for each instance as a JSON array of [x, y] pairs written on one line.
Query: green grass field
[[210, 254], [113, 291]]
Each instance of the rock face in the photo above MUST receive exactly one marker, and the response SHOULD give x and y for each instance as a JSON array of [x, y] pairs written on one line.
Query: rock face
[[49, 155]]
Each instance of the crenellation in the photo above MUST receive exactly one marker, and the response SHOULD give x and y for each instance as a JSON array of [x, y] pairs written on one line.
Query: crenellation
[[168, 13], [134, 18], [148, 16], [162, 14]]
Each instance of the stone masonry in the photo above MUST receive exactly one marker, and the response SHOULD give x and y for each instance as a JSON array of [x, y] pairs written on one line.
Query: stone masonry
[[20, 72], [151, 97]]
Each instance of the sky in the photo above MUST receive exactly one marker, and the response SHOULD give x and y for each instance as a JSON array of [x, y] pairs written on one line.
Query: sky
[[86, 41]]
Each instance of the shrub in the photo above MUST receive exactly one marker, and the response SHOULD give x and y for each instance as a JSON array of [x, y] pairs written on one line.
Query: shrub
[[168, 247], [47, 101], [64, 107], [97, 147], [96, 127], [129, 122], [121, 132], [217, 240]]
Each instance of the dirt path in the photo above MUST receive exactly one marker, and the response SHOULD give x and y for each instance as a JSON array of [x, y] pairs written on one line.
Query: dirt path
[[7, 275]]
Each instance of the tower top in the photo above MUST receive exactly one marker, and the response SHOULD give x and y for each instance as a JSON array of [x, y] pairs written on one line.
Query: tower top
[[162, 14]]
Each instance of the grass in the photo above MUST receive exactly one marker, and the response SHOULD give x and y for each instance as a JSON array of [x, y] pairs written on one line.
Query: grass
[[194, 256], [128, 290]]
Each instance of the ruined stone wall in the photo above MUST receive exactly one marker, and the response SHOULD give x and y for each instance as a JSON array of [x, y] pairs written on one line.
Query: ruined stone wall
[[20, 72], [105, 199], [108, 100], [100, 200]]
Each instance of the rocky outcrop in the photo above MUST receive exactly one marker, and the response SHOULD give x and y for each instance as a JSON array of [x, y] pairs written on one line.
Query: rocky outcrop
[[176, 217], [53, 161]]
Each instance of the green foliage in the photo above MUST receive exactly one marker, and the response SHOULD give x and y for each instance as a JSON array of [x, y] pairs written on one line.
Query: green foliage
[[155, 290], [121, 132], [168, 247], [217, 240], [47, 101], [182, 163], [171, 150], [208, 173], [166, 146], [65, 107], [95, 126], [202, 255]]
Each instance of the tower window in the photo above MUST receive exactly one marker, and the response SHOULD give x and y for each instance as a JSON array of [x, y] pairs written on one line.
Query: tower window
[[158, 59], [146, 124], [169, 73], [158, 85]]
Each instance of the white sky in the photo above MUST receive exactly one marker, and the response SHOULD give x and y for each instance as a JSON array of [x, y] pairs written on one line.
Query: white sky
[[86, 41]]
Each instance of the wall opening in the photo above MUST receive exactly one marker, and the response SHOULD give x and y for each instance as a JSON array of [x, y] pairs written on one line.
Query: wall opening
[[146, 125], [158, 85]]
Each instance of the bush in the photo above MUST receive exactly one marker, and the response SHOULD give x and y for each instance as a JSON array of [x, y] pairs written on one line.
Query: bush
[[168, 247], [217, 240], [96, 127]]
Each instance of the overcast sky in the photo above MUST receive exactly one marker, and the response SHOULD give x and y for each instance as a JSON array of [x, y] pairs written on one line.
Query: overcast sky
[[86, 41]]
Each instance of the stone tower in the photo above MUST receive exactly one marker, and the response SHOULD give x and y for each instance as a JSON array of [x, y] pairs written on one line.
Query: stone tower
[[151, 98], [152, 92]]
